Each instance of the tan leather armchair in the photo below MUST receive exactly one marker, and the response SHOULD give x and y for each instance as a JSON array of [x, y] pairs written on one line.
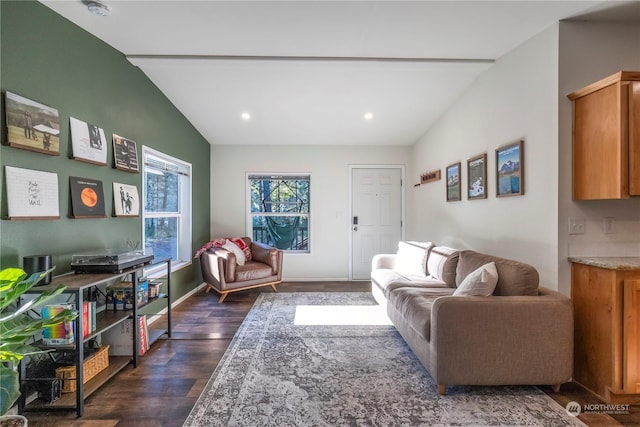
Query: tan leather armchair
[[223, 274]]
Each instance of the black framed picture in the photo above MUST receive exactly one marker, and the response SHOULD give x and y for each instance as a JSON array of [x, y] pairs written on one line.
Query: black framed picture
[[477, 177], [87, 198], [510, 169], [453, 182], [125, 154]]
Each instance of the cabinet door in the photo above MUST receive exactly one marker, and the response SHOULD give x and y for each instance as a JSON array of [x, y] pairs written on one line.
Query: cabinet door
[[600, 144], [631, 343], [597, 314], [634, 138]]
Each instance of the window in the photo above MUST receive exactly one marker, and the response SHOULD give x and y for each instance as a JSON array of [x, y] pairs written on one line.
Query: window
[[279, 210], [167, 206]]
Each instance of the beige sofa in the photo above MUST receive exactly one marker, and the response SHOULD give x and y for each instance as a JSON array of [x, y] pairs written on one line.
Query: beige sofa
[[519, 334]]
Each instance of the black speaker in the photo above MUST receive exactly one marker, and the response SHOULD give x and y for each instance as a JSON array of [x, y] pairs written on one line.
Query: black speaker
[[36, 264]]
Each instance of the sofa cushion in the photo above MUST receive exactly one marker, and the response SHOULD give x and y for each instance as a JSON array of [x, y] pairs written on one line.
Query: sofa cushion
[[411, 258], [514, 277], [441, 264], [415, 306], [481, 282], [388, 280]]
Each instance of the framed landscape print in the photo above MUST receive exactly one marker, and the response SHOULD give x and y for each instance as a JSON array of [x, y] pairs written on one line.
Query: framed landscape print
[[88, 141], [31, 125], [32, 194], [87, 198], [125, 200], [453, 182], [125, 154], [510, 169], [477, 177]]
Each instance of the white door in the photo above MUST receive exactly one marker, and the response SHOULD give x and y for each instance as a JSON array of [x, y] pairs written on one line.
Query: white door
[[376, 216]]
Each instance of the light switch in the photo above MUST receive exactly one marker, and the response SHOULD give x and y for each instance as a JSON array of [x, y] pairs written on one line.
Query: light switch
[[577, 226]]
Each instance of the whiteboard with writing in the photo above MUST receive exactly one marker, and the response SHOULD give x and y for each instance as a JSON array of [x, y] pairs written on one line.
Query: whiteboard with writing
[[31, 193]]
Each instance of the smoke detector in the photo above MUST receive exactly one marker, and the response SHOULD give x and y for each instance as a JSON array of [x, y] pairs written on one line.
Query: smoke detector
[[98, 8]]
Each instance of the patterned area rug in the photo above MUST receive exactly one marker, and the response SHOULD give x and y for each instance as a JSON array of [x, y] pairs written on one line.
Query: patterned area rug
[[333, 359]]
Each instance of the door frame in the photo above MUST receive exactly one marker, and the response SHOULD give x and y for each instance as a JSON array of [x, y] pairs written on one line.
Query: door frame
[[402, 207]]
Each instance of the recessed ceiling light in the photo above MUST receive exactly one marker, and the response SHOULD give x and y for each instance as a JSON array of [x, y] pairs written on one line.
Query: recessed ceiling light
[[98, 8], [246, 116], [368, 116]]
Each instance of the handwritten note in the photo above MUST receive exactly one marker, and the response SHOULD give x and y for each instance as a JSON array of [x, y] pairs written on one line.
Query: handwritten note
[[32, 193]]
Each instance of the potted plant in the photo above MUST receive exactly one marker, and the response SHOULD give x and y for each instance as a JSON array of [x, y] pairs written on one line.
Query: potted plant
[[17, 327]]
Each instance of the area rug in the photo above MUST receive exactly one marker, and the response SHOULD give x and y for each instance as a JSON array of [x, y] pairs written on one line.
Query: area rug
[[333, 359]]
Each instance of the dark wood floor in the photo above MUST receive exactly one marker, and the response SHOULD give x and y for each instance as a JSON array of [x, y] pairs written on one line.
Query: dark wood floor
[[171, 376]]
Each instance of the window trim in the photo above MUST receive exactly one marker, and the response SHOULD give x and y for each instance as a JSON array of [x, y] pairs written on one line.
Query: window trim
[[185, 228], [249, 214]]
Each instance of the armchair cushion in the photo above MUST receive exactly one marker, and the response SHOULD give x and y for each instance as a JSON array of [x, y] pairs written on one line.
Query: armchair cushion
[[244, 246], [236, 250]]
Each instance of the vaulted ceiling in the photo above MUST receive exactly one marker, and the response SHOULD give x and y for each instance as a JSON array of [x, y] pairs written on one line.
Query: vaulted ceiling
[[307, 72]]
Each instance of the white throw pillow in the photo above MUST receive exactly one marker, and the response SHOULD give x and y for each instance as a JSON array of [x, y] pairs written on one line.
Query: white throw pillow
[[239, 253], [410, 259], [481, 282]]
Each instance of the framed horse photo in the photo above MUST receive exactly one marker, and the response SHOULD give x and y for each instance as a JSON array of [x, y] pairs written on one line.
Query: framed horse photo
[[125, 200]]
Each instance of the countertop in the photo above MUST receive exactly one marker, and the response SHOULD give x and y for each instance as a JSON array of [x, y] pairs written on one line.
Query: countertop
[[612, 263]]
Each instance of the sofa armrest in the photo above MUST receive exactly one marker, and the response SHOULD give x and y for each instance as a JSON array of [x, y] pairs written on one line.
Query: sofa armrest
[[218, 266], [387, 261], [502, 338], [267, 255]]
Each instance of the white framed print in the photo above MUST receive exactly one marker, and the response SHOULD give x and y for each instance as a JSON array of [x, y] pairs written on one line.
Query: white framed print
[[88, 142], [32, 194], [125, 200]]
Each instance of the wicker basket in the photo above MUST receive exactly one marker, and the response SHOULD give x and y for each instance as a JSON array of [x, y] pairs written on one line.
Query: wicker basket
[[92, 366]]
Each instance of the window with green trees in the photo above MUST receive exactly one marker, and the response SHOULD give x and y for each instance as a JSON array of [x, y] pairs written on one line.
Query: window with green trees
[[167, 206], [279, 210]]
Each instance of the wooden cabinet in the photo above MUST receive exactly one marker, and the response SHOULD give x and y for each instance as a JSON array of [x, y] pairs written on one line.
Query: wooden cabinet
[[606, 138], [607, 331]]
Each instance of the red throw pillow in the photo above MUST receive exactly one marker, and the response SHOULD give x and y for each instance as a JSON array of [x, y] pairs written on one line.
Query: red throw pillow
[[242, 245]]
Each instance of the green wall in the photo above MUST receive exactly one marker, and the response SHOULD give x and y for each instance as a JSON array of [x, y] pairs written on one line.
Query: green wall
[[46, 58]]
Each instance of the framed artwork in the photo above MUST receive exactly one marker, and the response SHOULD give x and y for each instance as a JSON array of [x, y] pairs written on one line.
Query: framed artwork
[[32, 194], [31, 125], [125, 154], [88, 141], [125, 200], [87, 198], [477, 177], [510, 169], [453, 182]]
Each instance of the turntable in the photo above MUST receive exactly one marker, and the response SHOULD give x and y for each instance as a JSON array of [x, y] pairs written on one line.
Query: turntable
[[107, 262]]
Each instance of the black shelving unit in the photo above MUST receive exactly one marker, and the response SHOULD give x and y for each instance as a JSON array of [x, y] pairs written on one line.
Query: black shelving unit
[[76, 284]]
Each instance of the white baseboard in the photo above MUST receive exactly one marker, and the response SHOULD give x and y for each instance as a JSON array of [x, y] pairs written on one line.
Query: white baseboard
[[175, 303]]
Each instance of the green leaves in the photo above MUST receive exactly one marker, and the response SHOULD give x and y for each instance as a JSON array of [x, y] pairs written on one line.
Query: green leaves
[[17, 327], [9, 388]]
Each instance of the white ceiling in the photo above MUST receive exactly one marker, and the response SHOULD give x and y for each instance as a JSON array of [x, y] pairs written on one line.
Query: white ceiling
[[307, 71]]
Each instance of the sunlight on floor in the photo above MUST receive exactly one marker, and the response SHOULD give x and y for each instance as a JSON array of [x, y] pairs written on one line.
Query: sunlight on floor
[[341, 315]]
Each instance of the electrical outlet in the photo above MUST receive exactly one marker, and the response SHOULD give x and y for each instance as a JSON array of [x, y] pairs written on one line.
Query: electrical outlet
[[609, 225], [577, 226]]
